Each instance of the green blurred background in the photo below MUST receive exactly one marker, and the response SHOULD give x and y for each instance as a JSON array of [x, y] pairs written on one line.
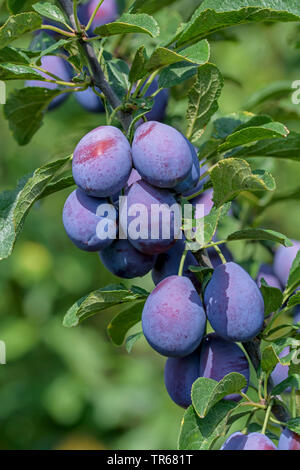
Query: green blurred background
[[72, 388]]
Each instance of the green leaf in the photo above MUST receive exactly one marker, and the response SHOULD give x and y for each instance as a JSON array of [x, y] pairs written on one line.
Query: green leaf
[[48, 10], [294, 425], [294, 300], [273, 297], [18, 25], [232, 176], [254, 134], [260, 234], [127, 23], [15, 204], [176, 73], [17, 6], [138, 68], [125, 320], [18, 72], [58, 184], [131, 340], [207, 392], [273, 91], [99, 301], [288, 148], [294, 275], [200, 434], [118, 72], [149, 6], [270, 354], [16, 56], [203, 98], [292, 381], [269, 359], [227, 125], [161, 57], [210, 224], [25, 110], [215, 15], [53, 47]]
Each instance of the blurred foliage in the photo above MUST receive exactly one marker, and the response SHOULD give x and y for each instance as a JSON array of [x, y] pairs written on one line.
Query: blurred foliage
[[71, 389]]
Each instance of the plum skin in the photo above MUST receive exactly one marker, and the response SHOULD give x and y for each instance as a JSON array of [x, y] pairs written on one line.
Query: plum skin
[[234, 304], [59, 67], [179, 375], [219, 357], [158, 110], [107, 13], [124, 261], [283, 261], [193, 177], [173, 318], [161, 154], [289, 440], [281, 372], [143, 193], [252, 441], [80, 220], [102, 162], [90, 101]]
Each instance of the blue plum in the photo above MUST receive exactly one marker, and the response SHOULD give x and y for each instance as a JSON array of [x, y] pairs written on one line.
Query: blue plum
[[252, 441], [180, 374], [107, 13], [281, 372], [102, 162], [123, 260], [58, 67], [173, 318], [289, 440], [219, 357], [234, 304], [283, 261], [205, 200], [215, 258], [161, 154], [193, 177], [158, 111], [80, 220], [167, 264], [198, 187], [148, 220], [297, 315], [266, 272], [90, 101]]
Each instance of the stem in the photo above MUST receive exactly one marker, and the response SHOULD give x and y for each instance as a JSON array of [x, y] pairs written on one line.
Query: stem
[[75, 15], [97, 72], [267, 417], [57, 30], [222, 257], [293, 403], [181, 265], [93, 15]]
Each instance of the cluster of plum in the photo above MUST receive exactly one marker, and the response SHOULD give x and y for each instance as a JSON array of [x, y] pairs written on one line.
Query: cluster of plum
[[88, 99]]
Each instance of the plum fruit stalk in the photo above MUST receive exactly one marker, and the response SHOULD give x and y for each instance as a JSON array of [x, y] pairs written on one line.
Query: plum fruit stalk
[[252, 347]]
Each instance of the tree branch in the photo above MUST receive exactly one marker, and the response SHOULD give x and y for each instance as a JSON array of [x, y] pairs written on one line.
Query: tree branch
[[97, 72]]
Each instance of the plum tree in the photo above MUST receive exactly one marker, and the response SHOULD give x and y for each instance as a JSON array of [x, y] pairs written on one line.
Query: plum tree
[[281, 372], [234, 304], [192, 179], [252, 441], [59, 67], [283, 261], [123, 260], [167, 264], [219, 357], [161, 154], [107, 13], [141, 221], [90, 101], [102, 162], [289, 440], [180, 374], [266, 272], [173, 318], [80, 220]]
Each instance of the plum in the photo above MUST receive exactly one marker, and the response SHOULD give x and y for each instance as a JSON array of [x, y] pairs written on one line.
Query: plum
[[289, 440], [193, 177], [90, 101], [58, 67], [173, 318], [283, 261], [219, 357], [102, 162], [252, 441], [107, 13], [123, 260], [167, 264], [180, 374], [81, 221], [234, 304], [158, 110], [281, 372], [266, 272], [149, 219], [205, 199], [161, 154]]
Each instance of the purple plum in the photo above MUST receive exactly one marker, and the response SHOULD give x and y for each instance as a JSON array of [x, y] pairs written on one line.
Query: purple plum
[[81, 221], [219, 357], [149, 219], [234, 304], [266, 272], [289, 440], [102, 162], [158, 111], [173, 318], [58, 67], [252, 441], [283, 261], [107, 13], [90, 101], [281, 372], [192, 179], [123, 260], [180, 374], [161, 154]]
